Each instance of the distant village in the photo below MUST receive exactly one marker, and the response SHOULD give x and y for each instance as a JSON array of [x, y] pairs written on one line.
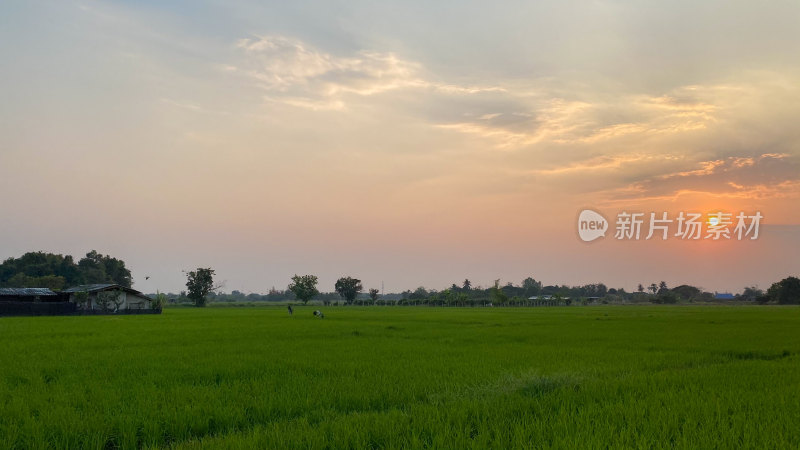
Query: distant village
[[39, 283]]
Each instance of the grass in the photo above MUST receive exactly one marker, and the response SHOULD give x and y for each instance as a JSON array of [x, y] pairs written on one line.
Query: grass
[[589, 377]]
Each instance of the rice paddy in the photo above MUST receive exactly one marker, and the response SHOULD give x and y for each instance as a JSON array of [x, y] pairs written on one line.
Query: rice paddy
[[393, 377]]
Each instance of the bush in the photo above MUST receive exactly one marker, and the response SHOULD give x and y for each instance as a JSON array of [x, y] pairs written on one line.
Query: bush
[[81, 299], [666, 297], [786, 291], [159, 301]]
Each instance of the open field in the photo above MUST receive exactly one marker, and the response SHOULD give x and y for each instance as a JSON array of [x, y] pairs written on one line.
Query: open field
[[648, 376]]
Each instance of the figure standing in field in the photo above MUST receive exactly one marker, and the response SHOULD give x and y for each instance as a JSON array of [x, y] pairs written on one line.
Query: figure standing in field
[[291, 311], [319, 314]]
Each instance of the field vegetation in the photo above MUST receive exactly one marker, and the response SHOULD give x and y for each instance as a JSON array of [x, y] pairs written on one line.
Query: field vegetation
[[380, 377]]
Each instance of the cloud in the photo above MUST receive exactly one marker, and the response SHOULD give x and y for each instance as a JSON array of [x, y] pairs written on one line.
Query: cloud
[[767, 175], [698, 138], [510, 116], [583, 117], [294, 73], [603, 163]]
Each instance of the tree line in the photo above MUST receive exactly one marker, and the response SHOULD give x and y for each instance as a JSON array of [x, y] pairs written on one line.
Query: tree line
[[349, 290], [56, 272]]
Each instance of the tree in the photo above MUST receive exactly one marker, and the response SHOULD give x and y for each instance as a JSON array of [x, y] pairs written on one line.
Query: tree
[[373, 294], [200, 282], [497, 295], [39, 269], [640, 288], [304, 287], [531, 286], [348, 288], [467, 285], [751, 293], [419, 294], [159, 301], [666, 297], [53, 282], [98, 268], [107, 298], [653, 288], [687, 292], [662, 287], [786, 291], [82, 299]]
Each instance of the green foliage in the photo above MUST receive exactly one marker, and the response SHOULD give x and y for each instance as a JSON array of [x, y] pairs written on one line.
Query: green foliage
[[53, 282], [589, 377], [497, 295], [98, 268], [785, 292], [81, 299], [109, 300], [348, 288], [531, 287], [517, 300], [686, 292], [751, 294], [666, 297], [304, 287], [39, 269], [200, 283], [158, 301], [419, 293], [373, 295]]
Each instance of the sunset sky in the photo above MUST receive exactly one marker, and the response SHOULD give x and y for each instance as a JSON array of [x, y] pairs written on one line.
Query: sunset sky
[[410, 142]]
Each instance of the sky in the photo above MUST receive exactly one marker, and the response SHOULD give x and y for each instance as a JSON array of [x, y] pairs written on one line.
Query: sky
[[409, 143]]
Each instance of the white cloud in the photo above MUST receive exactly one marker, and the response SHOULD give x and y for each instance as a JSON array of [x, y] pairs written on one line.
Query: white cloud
[[297, 74]]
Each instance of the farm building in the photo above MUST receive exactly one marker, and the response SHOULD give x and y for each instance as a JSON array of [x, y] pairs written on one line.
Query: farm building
[[547, 300], [28, 295], [33, 302], [128, 299], [88, 299]]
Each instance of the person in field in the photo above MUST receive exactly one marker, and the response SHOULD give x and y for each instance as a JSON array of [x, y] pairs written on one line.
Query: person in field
[[319, 314], [291, 311]]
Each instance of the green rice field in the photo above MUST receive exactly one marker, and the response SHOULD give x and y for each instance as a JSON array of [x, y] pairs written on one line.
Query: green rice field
[[394, 377]]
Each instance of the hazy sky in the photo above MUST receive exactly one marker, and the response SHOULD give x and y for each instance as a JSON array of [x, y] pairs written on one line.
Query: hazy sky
[[410, 142]]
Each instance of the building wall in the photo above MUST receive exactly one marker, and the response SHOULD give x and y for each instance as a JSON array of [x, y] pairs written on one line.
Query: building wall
[[134, 301], [128, 301]]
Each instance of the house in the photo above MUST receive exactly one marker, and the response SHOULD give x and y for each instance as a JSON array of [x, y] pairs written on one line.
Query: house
[[128, 299], [546, 297], [88, 299], [723, 296]]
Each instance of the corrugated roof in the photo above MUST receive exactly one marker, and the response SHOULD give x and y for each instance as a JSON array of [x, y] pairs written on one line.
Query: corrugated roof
[[25, 292], [90, 287], [101, 287]]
